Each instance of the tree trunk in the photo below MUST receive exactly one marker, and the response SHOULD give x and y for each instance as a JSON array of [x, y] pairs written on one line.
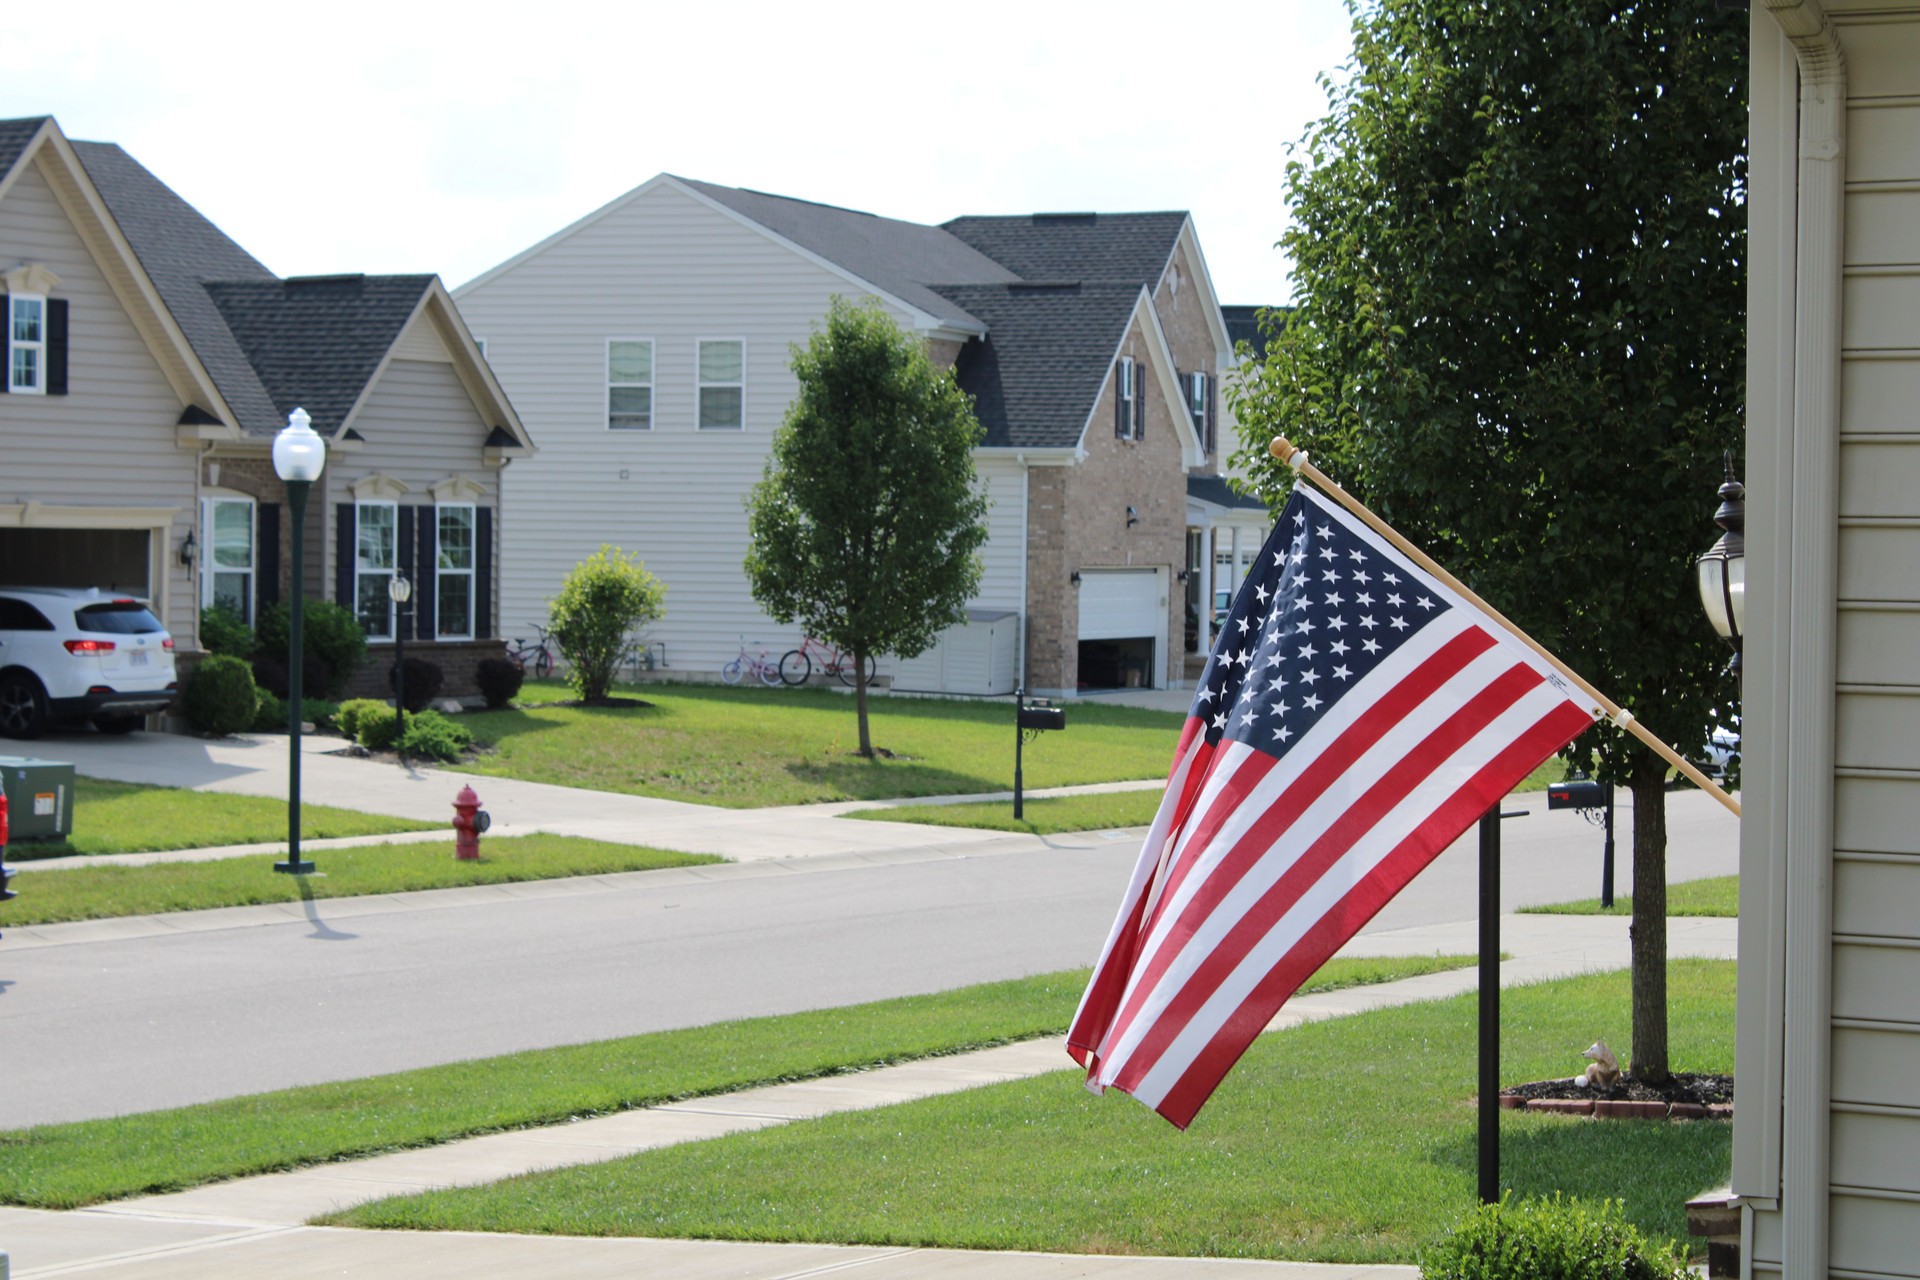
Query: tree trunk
[[860, 703], [1648, 784]]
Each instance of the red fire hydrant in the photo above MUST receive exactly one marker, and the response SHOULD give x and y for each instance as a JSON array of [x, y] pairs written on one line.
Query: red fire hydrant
[[5, 875], [469, 820]]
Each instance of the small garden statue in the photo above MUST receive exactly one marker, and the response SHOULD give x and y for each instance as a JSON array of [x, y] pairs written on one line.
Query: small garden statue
[[1605, 1069]]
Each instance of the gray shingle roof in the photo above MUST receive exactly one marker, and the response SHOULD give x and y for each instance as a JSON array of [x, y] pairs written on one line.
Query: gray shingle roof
[[1215, 489], [180, 250], [14, 137], [316, 342], [1106, 248], [1035, 376], [904, 258]]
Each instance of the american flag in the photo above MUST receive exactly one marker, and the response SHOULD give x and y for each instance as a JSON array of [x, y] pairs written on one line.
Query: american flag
[[1355, 717]]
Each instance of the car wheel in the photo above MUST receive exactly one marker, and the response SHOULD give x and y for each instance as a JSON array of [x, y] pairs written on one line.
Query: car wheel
[[23, 707], [118, 724]]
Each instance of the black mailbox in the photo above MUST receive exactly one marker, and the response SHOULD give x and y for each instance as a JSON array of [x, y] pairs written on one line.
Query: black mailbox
[[1577, 793], [1043, 717]]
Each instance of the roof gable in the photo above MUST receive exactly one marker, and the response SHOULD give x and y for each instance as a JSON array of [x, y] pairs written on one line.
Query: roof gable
[[15, 137], [1105, 248]]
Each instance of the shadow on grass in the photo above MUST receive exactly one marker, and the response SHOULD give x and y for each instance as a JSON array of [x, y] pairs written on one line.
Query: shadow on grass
[[1653, 1167], [883, 779]]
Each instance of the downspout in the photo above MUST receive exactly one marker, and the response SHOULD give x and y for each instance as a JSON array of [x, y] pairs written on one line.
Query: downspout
[[1806, 624]]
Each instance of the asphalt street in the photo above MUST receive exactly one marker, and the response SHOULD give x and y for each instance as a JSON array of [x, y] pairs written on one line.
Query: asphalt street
[[103, 1019]]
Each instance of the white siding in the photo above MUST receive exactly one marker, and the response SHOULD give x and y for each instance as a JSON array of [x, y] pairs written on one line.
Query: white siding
[[119, 404], [667, 267], [1003, 576]]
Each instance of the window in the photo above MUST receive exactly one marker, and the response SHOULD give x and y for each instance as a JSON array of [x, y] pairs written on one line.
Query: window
[[1129, 400], [1200, 401], [26, 344], [226, 571], [453, 572], [723, 385], [376, 543], [630, 384]]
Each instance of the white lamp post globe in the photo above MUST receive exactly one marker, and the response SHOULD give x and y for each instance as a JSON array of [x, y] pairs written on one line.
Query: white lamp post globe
[[299, 454], [399, 588]]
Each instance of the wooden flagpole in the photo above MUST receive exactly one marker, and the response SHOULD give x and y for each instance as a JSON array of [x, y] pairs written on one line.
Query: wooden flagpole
[[1603, 705]]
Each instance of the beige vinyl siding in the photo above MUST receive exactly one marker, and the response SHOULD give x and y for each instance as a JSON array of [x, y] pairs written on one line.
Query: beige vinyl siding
[[120, 406], [663, 266], [1003, 560]]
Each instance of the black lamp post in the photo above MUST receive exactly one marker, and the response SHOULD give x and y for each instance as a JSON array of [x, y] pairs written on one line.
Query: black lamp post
[[399, 590], [1722, 569], [299, 455]]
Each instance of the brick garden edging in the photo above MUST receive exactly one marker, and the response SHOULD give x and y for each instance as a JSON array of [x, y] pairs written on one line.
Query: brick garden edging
[[1619, 1109]]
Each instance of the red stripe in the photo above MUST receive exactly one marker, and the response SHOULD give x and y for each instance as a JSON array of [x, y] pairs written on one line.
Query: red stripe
[[1561, 725], [1406, 696], [1306, 868]]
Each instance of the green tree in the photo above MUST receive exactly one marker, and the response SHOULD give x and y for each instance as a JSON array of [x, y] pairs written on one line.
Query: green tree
[[867, 521], [603, 600], [1518, 245]]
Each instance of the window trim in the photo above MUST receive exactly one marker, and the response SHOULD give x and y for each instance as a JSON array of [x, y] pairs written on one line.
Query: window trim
[[206, 565], [651, 384], [360, 507], [39, 346], [1127, 389], [700, 384], [470, 573]]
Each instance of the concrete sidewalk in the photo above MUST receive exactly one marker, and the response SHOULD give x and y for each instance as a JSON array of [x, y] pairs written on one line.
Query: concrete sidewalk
[[249, 1226]]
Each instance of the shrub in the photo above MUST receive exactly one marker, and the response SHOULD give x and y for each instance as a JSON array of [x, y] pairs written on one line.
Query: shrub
[[1549, 1240], [424, 679], [225, 632], [376, 726], [270, 673], [499, 681], [328, 631], [433, 735], [220, 698], [606, 596], [271, 715], [347, 717]]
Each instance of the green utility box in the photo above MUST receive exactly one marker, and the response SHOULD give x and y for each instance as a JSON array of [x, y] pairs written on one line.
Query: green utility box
[[39, 798]]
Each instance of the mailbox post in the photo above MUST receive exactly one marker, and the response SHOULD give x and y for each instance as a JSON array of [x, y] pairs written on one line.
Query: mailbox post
[[1586, 795], [1030, 719]]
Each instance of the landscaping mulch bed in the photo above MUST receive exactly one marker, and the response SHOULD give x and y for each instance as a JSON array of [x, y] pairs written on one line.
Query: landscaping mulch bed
[[1686, 1095], [611, 701]]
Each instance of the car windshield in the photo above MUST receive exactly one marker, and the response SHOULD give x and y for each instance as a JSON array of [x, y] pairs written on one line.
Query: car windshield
[[117, 617]]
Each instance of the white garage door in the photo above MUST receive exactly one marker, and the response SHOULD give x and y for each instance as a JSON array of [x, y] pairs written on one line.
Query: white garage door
[[1120, 604]]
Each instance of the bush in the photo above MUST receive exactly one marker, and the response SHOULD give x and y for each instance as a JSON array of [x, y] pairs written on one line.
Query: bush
[[433, 735], [499, 681], [271, 713], [270, 673], [329, 631], [220, 698], [606, 596], [376, 727], [1549, 1240], [347, 717], [424, 679], [225, 632]]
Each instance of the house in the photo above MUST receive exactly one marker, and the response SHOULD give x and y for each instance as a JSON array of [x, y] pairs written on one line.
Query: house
[[150, 362], [1828, 1054], [649, 345]]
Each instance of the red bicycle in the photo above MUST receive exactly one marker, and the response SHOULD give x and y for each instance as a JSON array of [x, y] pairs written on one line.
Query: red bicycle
[[796, 665]]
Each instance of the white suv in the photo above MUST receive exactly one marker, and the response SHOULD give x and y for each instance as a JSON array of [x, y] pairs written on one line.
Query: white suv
[[68, 653]]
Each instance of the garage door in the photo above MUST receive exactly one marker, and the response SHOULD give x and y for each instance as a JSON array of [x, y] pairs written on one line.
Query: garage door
[[112, 559], [1119, 604]]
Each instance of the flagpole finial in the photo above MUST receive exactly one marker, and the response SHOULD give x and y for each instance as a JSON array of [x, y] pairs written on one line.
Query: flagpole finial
[[1283, 449]]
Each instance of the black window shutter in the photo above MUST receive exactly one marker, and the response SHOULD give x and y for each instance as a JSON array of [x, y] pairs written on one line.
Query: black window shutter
[[1119, 398], [426, 584], [403, 557], [266, 556], [6, 343], [1139, 401], [56, 346], [1213, 412], [345, 527], [483, 573]]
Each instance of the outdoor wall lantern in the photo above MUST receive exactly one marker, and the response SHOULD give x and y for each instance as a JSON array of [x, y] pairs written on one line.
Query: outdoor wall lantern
[[187, 547], [1074, 577], [1133, 517], [299, 455], [1722, 570]]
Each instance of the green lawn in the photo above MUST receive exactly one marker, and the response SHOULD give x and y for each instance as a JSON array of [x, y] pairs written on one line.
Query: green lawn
[[1348, 1141], [127, 817], [1715, 896], [64, 1166], [94, 893], [752, 747]]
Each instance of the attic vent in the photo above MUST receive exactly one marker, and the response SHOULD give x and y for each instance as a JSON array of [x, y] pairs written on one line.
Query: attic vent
[[348, 278], [1065, 219], [1024, 289]]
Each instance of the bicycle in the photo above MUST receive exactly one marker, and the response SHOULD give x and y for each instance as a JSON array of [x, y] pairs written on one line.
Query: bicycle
[[769, 672], [538, 653], [796, 665]]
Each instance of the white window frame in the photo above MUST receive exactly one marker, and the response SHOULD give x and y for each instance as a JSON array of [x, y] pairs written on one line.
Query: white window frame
[[209, 566], [385, 575], [653, 399], [701, 384], [441, 572], [37, 347]]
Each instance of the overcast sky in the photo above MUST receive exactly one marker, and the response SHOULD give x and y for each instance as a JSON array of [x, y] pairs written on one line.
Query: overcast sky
[[396, 137]]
